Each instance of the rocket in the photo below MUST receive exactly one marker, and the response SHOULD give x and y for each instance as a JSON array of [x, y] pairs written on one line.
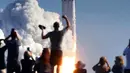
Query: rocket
[[68, 9]]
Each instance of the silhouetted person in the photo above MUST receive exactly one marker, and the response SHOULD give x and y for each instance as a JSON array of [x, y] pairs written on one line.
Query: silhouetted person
[[119, 65], [43, 64], [37, 66], [2, 58], [56, 37], [28, 49], [102, 66], [12, 43], [127, 54], [27, 63], [30, 52], [80, 68]]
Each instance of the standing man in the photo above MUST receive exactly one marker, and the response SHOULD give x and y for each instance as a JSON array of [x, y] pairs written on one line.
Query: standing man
[[127, 54], [56, 37], [12, 44]]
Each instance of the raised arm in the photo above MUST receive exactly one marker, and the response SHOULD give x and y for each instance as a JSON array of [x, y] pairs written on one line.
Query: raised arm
[[95, 66], [67, 21], [7, 38], [125, 51], [16, 34], [108, 66], [43, 36], [128, 44]]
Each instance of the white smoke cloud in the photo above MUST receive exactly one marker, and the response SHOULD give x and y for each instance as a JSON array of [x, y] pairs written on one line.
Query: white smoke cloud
[[25, 16], [1, 37], [1, 34]]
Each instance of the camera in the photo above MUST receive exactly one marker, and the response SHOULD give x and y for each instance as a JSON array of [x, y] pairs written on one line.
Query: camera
[[41, 27]]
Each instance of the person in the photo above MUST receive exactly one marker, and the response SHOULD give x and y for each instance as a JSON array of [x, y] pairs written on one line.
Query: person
[[43, 64], [102, 66], [80, 68], [56, 40], [119, 65], [27, 63], [30, 52], [12, 44], [28, 49], [2, 58], [127, 54]]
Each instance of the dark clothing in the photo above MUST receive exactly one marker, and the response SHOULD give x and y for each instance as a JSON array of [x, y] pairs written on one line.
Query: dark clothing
[[2, 57], [127, 71], [13, 50], [37, 67], [117, 69], [101, 69], [56, 57], [13, 66], [80, 71], [27, 65], [40, 67], [45, 68], [13, 53]]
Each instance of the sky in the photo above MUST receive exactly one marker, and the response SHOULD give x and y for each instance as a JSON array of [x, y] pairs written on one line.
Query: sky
[[103, 27]]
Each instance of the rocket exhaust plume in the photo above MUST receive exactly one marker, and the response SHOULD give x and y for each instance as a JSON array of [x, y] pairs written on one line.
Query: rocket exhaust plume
[[26, 15], [68, 8]]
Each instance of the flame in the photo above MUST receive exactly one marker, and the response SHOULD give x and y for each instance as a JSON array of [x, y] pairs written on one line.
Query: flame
[[68, 65]]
